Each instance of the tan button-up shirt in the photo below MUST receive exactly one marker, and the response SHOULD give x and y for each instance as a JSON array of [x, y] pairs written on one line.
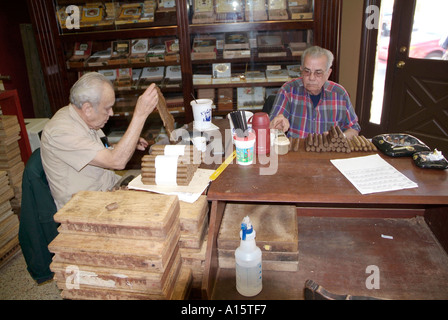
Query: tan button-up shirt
[[67, 147]]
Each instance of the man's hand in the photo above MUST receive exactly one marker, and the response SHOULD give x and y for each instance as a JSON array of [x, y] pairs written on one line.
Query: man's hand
[[142, 144], [350, 133], [147, 102], [280, 123]]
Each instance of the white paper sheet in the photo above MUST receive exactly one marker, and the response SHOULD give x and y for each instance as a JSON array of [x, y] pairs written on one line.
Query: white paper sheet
[[189, 193], [166, 170], [372, 174]]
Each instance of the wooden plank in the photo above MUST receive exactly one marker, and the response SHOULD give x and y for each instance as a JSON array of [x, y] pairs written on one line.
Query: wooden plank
[[120, 253], [136, 214], [104, 277], [192, 214], [275, 226]]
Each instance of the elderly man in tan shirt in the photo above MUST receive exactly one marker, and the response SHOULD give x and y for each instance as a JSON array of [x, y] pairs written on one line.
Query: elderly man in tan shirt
[[73, 155]]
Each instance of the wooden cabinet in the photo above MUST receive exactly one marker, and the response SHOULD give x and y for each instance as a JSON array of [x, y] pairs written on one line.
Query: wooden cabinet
[[56, 44]]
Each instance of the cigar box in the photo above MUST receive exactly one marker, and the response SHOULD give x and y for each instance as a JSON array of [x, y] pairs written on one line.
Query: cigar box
[[293, 70], [120, 52], [255, 76], [110, 74], [234, 41], [139, 50], [280, 75], [100, 58], [149, 9], [297, 48], [276, 230], [225, 99], [229, 11], [300, 9], [92, 14], [156, 53], [173, 77], [277, 10], [206, 94], [270, 46], [81, 53], [255, 10], [172, 50], [202, 79], [250, 98], [236, 53], [204, 48], [129, 13], [204, 11], [166, 6], [151, 75], [124, 79]]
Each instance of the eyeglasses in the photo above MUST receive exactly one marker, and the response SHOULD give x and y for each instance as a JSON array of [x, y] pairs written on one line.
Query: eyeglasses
[[317, 73]]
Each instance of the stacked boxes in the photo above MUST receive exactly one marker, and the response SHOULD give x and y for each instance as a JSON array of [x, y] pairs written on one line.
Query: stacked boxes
[[193, 231], [9, 223], [119, 245], [276, 228], [10, 158]]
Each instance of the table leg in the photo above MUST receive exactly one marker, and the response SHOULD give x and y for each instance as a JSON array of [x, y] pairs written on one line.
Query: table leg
[[211, 255]]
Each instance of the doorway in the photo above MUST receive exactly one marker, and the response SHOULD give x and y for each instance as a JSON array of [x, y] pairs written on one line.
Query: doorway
[[403, 82]]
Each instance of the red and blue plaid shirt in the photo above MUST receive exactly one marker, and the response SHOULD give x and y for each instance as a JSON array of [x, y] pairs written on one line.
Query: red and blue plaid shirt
[[334, 108]]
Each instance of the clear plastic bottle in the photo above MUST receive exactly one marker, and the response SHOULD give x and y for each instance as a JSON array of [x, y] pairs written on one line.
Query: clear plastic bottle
[[248, 262]]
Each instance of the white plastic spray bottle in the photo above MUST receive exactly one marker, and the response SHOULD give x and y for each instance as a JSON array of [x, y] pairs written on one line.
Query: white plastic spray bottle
[[248, 262]]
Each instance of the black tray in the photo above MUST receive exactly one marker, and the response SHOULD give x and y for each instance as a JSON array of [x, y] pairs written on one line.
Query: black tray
[[422, 160], [399, 144]]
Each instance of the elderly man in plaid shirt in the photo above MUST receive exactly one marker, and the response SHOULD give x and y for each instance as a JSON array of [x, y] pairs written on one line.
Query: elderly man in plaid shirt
[[311, 103]]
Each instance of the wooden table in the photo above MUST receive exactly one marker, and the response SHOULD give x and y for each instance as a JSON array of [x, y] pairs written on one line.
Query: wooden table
[[333, 217]]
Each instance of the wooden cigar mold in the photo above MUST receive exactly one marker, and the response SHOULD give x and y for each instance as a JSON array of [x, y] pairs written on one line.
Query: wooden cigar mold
[[187, 165], [335, 141]]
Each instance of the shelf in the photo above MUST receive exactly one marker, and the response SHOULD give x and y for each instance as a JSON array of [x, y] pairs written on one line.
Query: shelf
[[239, 85], [120, 34], [252, 26], [127, 65]]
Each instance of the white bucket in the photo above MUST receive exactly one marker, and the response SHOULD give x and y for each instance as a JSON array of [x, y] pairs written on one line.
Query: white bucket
[[245, 149], [202, 113]]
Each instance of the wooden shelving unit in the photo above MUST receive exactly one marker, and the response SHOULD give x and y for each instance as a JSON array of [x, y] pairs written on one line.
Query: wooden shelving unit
[[53, 43]]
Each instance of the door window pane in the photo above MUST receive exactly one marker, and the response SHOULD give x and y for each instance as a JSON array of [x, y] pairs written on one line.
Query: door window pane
[[429, 38], [381, 60]]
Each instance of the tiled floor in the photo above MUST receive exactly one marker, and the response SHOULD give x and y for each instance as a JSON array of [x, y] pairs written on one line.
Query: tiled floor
[[17, 284]]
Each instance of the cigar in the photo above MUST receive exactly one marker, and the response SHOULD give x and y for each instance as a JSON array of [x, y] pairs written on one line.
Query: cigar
[[341, 135], [309, 139], [296, 144], [334, 134], [321, 142], [315, 140], [325, 139], [367, 143]]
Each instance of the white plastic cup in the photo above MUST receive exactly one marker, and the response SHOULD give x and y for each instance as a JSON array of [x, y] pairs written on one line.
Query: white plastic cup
[[200, 143], [202, 113], [245, 149]]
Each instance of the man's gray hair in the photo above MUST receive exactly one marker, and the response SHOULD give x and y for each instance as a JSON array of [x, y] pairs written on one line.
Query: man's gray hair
[[88, 88], [316, 52]]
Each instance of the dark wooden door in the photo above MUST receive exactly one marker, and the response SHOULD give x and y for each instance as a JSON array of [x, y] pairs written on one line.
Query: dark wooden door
[[416, 88]]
